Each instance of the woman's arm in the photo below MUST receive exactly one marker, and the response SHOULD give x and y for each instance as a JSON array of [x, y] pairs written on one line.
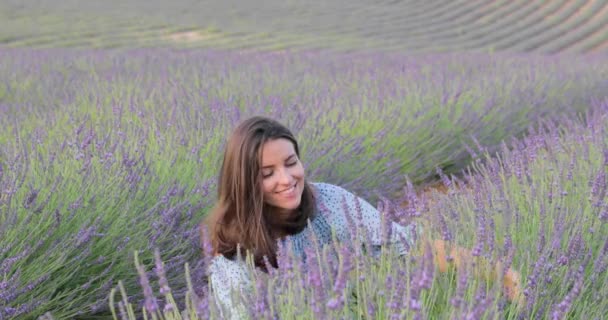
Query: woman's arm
[[346, 211], [459, 256], [362, 213]]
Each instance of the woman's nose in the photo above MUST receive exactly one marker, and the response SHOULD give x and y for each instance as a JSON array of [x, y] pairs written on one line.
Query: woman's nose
[[284, 177]]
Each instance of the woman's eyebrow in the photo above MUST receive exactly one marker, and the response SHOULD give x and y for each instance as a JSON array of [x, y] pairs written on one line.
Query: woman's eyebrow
[[288, 158]]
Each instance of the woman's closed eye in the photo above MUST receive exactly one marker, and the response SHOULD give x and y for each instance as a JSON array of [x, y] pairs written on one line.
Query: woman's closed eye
[[268, 174]]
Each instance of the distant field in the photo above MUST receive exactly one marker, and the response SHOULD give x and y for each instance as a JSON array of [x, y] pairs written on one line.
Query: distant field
[[413, 25]]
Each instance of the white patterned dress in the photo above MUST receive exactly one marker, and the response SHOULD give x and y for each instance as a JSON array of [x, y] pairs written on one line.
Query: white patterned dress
[[332, 203]]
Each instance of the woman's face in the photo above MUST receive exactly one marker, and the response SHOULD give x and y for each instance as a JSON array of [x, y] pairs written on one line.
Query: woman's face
[[282, 174]]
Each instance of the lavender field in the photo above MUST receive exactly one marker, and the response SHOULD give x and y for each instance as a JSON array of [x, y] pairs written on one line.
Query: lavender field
[[484, 123], [107, 156]]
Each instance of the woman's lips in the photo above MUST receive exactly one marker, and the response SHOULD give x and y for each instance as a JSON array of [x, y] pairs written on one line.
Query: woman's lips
[[289, 192]]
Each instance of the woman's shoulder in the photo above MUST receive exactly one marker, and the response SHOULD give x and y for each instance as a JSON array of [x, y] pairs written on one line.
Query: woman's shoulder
[[330, 198], [327, 190]]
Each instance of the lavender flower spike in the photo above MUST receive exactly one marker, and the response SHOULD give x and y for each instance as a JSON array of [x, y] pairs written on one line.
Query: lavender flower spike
[[151, 304]]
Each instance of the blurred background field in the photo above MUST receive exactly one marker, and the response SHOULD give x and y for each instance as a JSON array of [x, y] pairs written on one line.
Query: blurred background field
[[574, 26], [113, 117]]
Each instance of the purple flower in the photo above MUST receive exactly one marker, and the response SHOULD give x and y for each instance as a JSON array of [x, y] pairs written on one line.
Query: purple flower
[[269, 268], [396, 301], [29, 200], [206, 245], [284, 258], [461, 286], [260, 307], [160, 272], [533, 277], [541, 243], [560, 310], [314, 279], [8, 263], [426, 279], [202, 304], [346, 266], [604, 213], [598, 189], [352, 226], [335, 303], [510, 252], [481, 307], [122, 311], [601, 261], [84, 235], [150, 302], [446, 235], [367, 237], [371, 310]]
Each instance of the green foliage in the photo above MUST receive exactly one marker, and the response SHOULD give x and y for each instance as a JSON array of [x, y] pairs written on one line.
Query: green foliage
[[108, 152]]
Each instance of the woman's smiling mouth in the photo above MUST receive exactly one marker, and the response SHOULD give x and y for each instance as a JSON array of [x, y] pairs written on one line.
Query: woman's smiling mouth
[[288, 190]]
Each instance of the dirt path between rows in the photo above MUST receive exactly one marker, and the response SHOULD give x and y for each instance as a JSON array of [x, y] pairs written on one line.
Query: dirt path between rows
[[191, 36]]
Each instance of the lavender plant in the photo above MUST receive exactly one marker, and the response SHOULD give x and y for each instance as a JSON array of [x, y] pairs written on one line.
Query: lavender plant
[[103, 153], [335, 281], [519, 201], [545, 198]]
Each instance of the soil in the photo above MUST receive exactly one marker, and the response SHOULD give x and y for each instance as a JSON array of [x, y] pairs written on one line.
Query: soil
[[190, 36]]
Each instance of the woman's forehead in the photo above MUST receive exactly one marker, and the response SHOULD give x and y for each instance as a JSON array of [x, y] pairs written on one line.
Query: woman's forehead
[[277, 150]]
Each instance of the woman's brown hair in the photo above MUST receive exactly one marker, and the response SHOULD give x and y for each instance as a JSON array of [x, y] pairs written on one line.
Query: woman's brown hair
[[240, 216]]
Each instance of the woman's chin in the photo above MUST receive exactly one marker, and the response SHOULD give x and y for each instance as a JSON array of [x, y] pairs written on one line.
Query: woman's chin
[[288, 207]]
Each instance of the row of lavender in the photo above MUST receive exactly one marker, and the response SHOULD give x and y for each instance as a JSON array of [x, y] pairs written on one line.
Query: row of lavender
[[106, 152], [535, 219]]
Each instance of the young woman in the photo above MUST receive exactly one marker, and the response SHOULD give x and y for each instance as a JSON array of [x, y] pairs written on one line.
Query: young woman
[[264, 197]]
